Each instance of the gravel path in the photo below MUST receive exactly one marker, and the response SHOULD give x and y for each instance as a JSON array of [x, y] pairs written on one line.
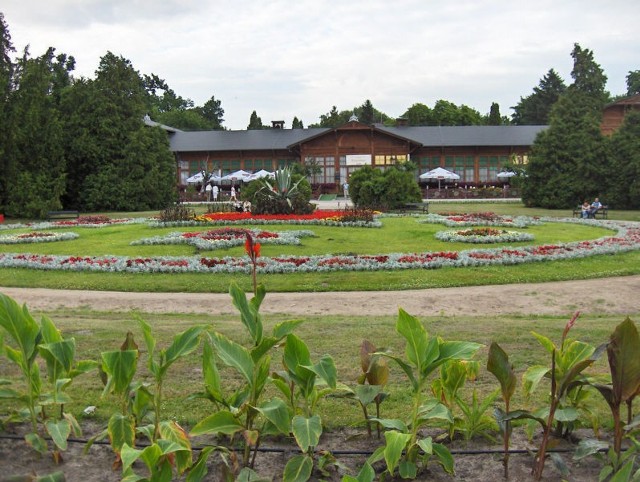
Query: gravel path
[[618, 295]]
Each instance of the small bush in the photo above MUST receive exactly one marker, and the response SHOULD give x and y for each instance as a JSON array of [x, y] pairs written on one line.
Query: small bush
[[178, 212]]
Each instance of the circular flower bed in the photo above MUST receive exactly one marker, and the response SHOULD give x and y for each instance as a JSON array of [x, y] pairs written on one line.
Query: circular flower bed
[[225, 238], [36, 237], [480, 219], [483, 236]]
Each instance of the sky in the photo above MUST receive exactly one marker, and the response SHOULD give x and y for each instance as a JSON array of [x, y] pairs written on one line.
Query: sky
[[299, 58]]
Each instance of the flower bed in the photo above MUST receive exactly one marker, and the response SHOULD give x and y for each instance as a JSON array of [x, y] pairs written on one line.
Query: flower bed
[[480, 219], [483, 236], [81, 222], [36, 237], [626, 239], [225, 238]]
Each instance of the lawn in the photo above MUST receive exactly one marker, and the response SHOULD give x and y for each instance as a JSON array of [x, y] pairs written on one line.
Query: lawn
[[397, 235]]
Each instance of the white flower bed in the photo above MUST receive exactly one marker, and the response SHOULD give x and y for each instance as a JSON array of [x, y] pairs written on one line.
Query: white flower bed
[[35, 237], [499, 221], [627, 238], [230, 240], [504, 237]]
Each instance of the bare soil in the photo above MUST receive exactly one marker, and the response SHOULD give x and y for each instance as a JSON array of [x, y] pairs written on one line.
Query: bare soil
[[618, 295]]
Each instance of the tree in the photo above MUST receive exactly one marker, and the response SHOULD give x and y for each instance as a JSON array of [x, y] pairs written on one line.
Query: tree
[[494, 119], [624, 176], [6, 86], [255, 122], [118, 163], [418, 115], [371, 188], [213, 112], [633, 82], [34, 152], [568, 160], [367, 113], [297, 124], [535, 109]]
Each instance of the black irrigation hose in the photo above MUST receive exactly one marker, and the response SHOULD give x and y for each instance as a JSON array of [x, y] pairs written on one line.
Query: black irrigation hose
[[338, 452]]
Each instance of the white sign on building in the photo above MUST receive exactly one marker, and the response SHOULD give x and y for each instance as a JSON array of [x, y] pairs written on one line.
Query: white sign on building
[[358, 159]]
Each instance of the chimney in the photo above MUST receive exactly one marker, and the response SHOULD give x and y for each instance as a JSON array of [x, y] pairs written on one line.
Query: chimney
[[279, 124], [402, 122]]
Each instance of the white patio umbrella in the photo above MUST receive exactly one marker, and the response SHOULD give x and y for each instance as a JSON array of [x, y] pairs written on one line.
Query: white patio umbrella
[[506, 174], [439, 173], [260, 174], [236, 176], [195, 179]]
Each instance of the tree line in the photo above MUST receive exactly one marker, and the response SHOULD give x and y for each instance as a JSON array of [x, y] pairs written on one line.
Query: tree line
[[81, 143]]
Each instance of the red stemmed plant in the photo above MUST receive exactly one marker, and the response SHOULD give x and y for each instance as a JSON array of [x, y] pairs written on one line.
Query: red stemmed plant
[[253, 250]]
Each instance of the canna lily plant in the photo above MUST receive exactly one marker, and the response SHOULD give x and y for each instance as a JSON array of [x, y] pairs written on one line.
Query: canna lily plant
[[404, 449]]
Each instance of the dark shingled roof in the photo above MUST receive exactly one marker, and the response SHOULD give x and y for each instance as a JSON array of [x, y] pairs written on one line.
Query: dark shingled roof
[[282, 139]]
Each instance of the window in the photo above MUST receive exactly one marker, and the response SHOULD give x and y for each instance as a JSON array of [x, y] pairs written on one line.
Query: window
[[389, 159], [323, 169]]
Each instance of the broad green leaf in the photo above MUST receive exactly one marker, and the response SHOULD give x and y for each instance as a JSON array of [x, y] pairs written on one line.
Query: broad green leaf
[[210, 371], [407, 469], [575, 370], [59, 432], [296, 354], [36, 442], [199, 470], [248, 312], [121, 368], [170, 430], [307, 431], [408, 370], [367, 393], [426, 444], [298, 469], [326, 369], [624, 474], [267, 343], [285, 328], [234, 355], [498, 364], [148, 337], [532, 377], [129, 455], [50, 334], [20, 326], [433, 409], [568, 414], [458, 350], [277, 412], [395, 445], [122, 431], [418, 349], [248, 475], [589, 447], [366, 474], [545, 342], [220, 422], [624, 361], [444, 457], [183, 344], [574, 352], [392, 423]]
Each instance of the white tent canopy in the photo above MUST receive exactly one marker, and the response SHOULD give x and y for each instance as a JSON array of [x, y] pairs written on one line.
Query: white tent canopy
[[195, 179], [236, 176], [506, 174], [439, 173], [259, 175]]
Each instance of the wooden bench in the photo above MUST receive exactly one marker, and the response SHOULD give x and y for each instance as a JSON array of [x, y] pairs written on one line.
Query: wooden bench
[[53, 215], [602, 213], [423, 206]]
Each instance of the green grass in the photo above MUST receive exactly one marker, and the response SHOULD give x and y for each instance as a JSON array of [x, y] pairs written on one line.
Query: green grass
[[400, 234], [338, 336]]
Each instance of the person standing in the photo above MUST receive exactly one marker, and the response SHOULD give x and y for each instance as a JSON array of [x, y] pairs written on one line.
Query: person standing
[[233, 194], [214, 193], [208, 191], [345, 189]]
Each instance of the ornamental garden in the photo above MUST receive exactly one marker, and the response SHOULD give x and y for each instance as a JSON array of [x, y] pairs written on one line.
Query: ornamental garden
[[412, 394]]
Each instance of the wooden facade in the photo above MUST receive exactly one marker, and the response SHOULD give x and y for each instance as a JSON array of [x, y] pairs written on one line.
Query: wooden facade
[[476, 153], [613, 114]]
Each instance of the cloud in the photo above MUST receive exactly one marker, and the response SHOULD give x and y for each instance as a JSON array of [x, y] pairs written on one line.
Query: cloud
[[285, 59]]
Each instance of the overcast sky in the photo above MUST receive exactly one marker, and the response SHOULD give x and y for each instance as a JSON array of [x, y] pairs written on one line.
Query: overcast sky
[[286, 58]]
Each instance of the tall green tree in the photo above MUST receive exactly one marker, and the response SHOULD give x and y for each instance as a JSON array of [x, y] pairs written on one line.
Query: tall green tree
[[633, 82], [6, 86], [255, 122], [297, 124], [568, 161], [418, 115], [494, 119], [118, 163], [34, 151], [367, 113], [535, 108], [213, 112], [623, 177]]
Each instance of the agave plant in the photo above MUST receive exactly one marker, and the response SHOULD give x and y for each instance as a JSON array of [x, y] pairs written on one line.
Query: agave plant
[[283, 194]]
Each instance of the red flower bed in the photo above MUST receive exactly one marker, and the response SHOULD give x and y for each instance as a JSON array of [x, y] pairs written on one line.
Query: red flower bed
[[319, 214]]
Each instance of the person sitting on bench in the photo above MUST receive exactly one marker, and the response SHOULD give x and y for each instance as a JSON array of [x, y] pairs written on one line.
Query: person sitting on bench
[[586, 209], [595, 207]]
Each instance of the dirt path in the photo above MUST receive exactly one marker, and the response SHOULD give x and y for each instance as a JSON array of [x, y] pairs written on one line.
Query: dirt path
[[618, 295]]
